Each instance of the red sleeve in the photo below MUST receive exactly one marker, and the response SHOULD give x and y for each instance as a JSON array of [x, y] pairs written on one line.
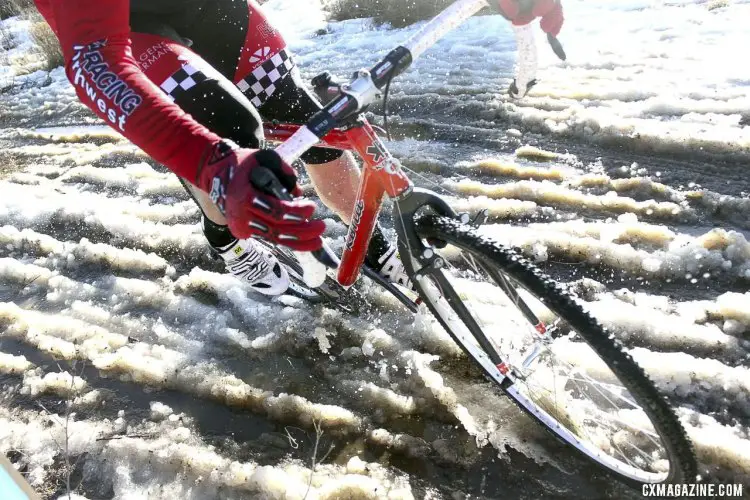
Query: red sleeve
[[95, 39]]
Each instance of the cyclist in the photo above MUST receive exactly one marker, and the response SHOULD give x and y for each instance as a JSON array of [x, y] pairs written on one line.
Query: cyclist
[[185, 80], [521, 13]]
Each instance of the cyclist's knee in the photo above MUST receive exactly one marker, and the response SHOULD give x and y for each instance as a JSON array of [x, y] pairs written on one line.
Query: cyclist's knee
[[319, 156]]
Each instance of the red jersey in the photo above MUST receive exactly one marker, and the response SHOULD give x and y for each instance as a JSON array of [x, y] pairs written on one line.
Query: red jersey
[[95, 40]]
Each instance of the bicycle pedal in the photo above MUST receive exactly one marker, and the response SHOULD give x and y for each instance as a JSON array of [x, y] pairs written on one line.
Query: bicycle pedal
[[481, 218]]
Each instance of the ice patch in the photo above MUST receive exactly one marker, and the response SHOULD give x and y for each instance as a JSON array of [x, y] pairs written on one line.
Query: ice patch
[[720, 448], [61, 384], [684, 375], [548, 193], [321, 335], [160, 411], [13, 365], [683, 257]]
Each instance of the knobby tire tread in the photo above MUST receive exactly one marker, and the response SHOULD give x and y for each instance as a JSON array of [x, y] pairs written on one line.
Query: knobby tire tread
[[513, 264]]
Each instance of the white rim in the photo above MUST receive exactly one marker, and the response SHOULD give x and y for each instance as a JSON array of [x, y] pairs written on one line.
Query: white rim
[[467, 340]]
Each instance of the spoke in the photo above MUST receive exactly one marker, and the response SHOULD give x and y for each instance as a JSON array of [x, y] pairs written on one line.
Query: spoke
[[623, 455], [602, 394], [582, 425], [607, 384], [596, 385], [642, 452], [595, 415], [646, 433], [472, 264]]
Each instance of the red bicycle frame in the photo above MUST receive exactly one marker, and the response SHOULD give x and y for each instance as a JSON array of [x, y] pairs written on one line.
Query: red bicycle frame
[[382, 175]]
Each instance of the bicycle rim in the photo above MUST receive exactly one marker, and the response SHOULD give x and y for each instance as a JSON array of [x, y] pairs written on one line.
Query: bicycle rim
[[552, 358]]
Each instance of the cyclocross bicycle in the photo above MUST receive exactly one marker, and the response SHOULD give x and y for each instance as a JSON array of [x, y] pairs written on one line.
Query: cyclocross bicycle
[[531, 338]]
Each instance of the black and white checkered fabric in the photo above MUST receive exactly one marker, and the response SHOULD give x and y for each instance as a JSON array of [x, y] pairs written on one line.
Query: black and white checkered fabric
[[259, 85], [183, 79]]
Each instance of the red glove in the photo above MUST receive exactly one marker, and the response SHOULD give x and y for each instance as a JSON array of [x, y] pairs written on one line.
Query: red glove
[[251, 210], [549, 10]]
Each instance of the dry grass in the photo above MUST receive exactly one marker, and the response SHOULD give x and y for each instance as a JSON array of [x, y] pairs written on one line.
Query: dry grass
[[47, 43], [9, 163], [397, 13], [45, 40], [10, 8], [717, 4]]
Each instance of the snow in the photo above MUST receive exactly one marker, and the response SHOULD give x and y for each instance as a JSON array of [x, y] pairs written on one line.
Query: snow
[[660, 76], [102, 262], [13, 365], [182, 467], [680, 257], [62, 384], [19, 61]]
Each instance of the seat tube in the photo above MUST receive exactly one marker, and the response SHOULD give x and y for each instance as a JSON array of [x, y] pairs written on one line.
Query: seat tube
[[364, 217]]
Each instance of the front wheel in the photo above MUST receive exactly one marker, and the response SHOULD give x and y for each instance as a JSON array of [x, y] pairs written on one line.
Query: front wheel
[[555, 360]]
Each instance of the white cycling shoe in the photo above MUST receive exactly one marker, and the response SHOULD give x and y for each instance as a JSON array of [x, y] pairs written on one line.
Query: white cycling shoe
[[250, 262], [391, 268]]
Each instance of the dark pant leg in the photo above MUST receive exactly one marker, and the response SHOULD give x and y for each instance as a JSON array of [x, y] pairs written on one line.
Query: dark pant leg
[[204, 93], [235, 37]]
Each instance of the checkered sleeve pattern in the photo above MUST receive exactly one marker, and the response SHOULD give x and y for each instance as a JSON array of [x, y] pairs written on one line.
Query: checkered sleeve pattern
[[182, 80], [259, 85]]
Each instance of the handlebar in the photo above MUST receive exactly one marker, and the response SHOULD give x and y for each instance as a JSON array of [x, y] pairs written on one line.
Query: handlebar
[[363, 89]]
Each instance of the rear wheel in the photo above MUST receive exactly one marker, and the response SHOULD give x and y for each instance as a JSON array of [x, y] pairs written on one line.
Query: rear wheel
[[550, 356]]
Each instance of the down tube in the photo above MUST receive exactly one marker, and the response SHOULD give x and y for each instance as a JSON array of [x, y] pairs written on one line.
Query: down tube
[[364, 217]]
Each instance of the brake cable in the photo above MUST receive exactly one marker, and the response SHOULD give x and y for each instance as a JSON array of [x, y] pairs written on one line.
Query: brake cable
[[385, 107]]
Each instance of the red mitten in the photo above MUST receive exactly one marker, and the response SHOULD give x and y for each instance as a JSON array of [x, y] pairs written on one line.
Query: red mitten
[[552, 16], [231, 176], [549, 10]]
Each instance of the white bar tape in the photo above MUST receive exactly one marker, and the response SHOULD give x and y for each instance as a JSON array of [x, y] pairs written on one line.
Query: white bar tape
[[446, 21], [526, 64], [294, 147]]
